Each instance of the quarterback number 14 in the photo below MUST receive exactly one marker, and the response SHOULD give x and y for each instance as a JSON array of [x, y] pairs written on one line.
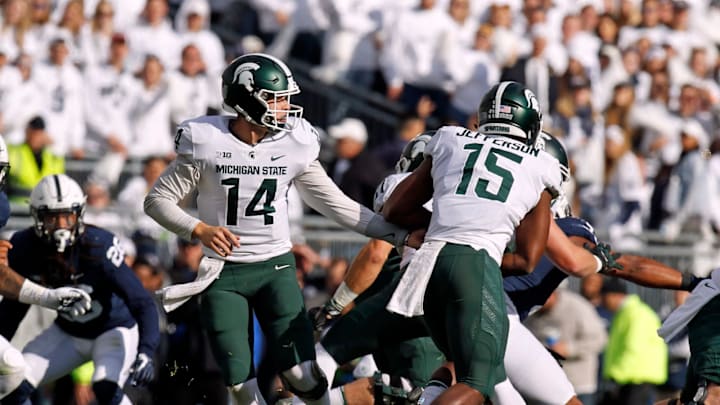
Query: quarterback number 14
[[267, 190], [481, 188]]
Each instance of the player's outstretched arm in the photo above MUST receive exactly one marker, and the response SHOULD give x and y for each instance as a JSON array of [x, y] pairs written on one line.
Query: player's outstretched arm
[[362, 273], [531, 237], [568, 254], [651, 273], [323, 195]]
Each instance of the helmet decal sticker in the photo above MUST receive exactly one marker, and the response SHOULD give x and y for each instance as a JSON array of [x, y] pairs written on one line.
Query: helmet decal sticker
[[244, 76]]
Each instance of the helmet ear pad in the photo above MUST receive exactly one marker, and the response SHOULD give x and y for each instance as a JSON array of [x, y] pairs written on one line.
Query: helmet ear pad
[[253, 106]]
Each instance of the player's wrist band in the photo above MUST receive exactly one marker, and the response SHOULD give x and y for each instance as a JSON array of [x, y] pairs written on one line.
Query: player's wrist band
[[343, 296], [599, 263], [32, 293]]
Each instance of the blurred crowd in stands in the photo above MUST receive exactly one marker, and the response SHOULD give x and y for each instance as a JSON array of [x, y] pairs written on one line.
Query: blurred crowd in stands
[[630, 86]]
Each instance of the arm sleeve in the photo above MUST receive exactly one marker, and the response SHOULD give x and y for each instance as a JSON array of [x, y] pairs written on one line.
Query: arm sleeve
[[141, 306], [324, 196], [161, 203]]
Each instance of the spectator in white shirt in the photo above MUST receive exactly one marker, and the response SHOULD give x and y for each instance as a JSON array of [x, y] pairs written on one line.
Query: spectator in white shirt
[[154, 35], [474, 72], [415, 61], [62, 87], [150, 113], [625, 191], [15, 24], [192, 23], [10, 80], [690, 185], [190, 88], [101, 31], [352, 42], [130, 198], [100, 210], [27, 102], [459, 11], [107, 98], [42, 30], [73, 22], [127, 13], [273, 15]]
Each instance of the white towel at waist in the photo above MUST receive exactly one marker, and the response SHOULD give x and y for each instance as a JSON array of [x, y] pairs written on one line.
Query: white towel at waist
[[175, 295], [678, 319], [407, 299]]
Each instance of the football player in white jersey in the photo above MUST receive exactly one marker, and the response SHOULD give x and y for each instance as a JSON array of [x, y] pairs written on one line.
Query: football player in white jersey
[[485, 186], [242, 167]]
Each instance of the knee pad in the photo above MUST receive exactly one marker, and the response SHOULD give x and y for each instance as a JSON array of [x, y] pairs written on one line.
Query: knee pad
[[21, 394], [12, 370], [305, 380], [107, 392]]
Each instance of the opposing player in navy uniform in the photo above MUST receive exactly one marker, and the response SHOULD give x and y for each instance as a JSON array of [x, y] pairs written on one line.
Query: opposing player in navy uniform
[[16, 287], [119, 332]]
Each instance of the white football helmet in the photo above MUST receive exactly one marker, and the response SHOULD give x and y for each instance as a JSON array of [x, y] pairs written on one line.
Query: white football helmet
[[54, 195]]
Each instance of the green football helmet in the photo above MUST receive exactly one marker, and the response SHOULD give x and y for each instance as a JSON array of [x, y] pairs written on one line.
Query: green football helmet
[[253, 80], [554, 147], [413, 153], [510, 109]]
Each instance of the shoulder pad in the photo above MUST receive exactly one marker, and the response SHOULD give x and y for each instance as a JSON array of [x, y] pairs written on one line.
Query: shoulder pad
[[385, 189], [304, 132]]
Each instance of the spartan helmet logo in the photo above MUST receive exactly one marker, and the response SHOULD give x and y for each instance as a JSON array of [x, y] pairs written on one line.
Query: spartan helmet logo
[[243, 75], [532, 100]]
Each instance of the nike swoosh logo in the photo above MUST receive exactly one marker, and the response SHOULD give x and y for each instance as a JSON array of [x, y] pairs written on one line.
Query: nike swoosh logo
[[274, 158], [74, 277], [281, 266]]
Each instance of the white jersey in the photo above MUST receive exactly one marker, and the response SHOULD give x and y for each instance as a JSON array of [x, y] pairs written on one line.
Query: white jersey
[[484, 185], [244, 187]]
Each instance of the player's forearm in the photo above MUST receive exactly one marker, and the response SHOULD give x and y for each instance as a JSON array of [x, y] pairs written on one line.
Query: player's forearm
[[10, 282], [321, 194], [514, 265], [367, 265], [569, 255], [170, 216], [161, 202], [648, 272], [532, 233]]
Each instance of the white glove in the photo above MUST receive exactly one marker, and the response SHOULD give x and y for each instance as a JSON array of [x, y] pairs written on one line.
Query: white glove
[[70, 300]]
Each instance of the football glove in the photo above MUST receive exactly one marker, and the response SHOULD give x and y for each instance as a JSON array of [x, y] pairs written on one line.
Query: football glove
[[142, 371], [603, 251], [69, 300], [324, 315]]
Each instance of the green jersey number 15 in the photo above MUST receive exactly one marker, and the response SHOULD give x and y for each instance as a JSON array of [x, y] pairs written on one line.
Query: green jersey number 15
[[481, 188]]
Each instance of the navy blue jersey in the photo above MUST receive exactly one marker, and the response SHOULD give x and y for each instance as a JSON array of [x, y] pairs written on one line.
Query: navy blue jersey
[[95, 263], [532, 290]]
